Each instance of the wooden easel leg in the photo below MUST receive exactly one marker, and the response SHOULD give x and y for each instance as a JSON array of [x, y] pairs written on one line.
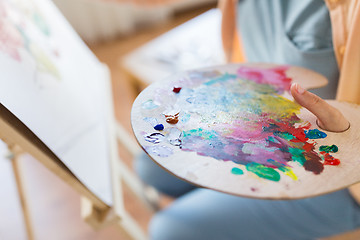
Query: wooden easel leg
[[133, 231], [22, 195]]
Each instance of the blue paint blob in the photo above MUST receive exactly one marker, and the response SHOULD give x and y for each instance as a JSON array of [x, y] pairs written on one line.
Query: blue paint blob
[[315, 134], [222, 78], [159, 127]]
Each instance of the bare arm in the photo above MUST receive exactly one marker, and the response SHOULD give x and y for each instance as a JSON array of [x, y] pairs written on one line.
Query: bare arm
[[228, 9]]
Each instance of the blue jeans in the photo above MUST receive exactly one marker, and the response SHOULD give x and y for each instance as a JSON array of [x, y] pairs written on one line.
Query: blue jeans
[[206, 214]]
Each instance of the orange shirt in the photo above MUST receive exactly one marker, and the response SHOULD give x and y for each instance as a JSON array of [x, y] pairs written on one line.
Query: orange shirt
[[345, 20]]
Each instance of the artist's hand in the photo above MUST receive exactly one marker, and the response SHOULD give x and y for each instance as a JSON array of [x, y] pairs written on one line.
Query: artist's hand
[[329, 118]]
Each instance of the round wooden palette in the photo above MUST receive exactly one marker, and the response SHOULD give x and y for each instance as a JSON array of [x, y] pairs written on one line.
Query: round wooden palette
[[236, 129]]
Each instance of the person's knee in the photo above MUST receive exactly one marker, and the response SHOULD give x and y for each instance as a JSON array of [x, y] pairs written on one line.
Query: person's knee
[[165, 227], [158, 227], [179, 223], [144, 167], [157, 177]]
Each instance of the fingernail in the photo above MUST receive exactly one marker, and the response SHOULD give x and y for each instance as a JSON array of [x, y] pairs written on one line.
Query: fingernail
[[299, 89]]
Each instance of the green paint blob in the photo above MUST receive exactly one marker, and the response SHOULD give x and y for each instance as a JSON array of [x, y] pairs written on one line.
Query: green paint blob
[[327, 149], [237, 171], [204, 134], [272, 139], [263, 172], [297, 155], [284, 135]]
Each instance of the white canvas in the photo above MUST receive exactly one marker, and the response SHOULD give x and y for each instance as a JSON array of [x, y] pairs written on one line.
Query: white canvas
[[53, 83]]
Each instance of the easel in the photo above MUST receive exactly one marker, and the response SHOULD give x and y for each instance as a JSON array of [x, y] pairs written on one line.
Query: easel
[[13, 156], [95, 212]]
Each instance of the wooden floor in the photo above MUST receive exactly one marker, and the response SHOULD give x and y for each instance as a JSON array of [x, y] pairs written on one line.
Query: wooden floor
[[55, 207]]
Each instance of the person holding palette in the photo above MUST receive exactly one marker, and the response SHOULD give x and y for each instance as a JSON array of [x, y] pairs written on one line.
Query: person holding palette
[[319, 35]]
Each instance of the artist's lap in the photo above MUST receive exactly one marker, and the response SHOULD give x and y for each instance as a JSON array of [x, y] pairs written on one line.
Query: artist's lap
[[206, 214], [157, 177]]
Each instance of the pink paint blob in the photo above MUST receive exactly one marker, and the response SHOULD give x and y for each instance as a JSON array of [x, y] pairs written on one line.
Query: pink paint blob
[[272, 76]]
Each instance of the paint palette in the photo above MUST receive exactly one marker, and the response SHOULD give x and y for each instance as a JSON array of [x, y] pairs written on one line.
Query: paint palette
[[236, 129]]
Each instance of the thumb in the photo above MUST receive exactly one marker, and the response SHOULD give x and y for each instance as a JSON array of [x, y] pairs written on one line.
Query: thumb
[[329, 118]]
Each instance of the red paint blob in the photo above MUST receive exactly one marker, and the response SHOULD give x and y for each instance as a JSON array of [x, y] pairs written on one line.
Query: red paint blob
[[298, 133], [330, 160], [307, 126], [308, 146], [176, 89], [314, 166]]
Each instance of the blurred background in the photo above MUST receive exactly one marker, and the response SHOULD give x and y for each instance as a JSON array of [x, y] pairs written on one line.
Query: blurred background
[[131, 37], [141, 41]]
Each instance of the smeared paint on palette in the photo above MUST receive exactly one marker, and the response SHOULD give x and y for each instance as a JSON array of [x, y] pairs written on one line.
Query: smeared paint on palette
[[244, 118], [237, 129]]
